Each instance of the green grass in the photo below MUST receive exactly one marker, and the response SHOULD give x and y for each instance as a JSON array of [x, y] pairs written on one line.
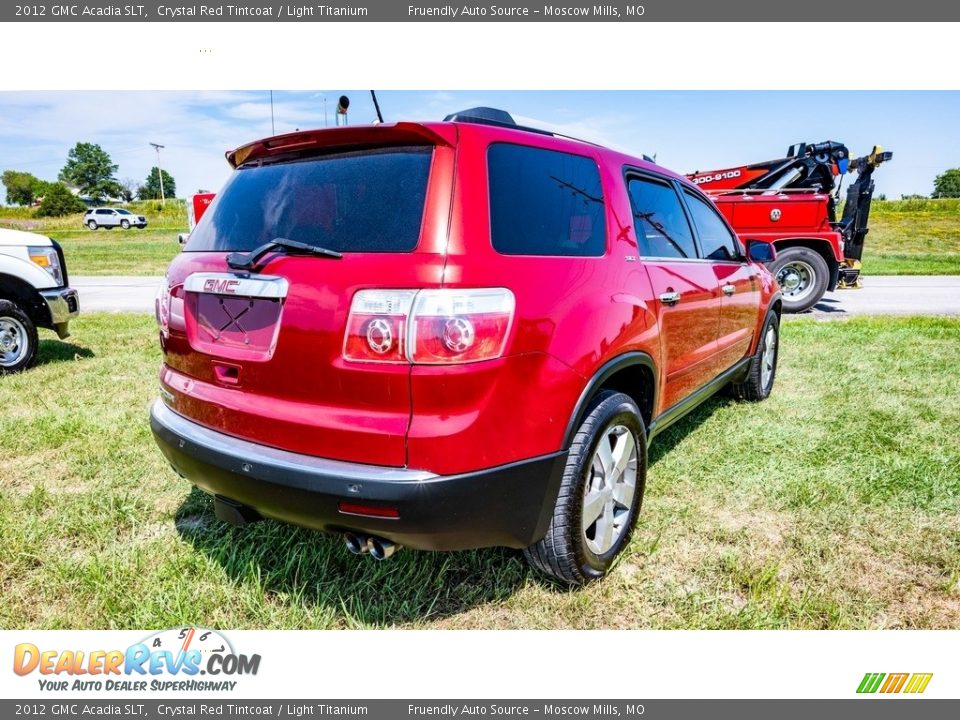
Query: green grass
[[913, 237], [907, 237], [110, 252], [835, 504], [118, 252]]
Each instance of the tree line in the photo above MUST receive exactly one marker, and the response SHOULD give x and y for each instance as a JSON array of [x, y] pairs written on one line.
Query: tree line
[[90, 172]]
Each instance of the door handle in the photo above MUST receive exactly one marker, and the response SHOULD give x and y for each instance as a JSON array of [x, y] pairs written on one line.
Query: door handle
[[670, 298], [729, 290]]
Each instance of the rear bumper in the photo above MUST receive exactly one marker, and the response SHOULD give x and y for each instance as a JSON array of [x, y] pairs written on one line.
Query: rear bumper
[[64, 305], [510, 505]]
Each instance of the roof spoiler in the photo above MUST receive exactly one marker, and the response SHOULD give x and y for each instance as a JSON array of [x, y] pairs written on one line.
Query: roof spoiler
[[395, 133]]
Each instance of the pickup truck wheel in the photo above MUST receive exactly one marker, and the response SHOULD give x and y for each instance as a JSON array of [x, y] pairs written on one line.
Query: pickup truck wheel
[[600, 495], [802, 274], [92, 224], [763, 368], [18, 339], [125, 224]]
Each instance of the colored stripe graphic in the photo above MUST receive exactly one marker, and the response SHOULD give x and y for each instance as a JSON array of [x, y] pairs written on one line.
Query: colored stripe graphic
[[870, 682], [894, 683], [918, 683]]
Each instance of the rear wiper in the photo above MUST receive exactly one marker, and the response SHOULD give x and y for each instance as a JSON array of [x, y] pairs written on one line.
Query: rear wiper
[[249, 261]]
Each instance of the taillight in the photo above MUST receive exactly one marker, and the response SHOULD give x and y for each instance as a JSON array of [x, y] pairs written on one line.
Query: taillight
[[161, 306], [377, 326], [429, 326], [458, 326]]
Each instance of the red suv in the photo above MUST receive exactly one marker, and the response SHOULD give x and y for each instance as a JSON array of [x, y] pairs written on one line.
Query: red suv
[[452, 335]]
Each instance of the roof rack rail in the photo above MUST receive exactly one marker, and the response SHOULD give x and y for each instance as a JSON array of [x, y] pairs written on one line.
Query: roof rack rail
[[501, 118]]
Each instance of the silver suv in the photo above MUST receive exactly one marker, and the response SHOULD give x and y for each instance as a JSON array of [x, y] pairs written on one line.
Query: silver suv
[[113, 217]]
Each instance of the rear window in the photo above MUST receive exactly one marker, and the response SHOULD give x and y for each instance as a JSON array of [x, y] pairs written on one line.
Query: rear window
[[544, 202], [369, 201]]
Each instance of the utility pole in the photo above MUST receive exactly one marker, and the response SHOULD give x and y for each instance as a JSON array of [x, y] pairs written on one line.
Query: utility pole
[[159, 171]]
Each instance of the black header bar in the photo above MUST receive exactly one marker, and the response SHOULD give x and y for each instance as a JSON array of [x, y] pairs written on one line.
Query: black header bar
[[828, 12]]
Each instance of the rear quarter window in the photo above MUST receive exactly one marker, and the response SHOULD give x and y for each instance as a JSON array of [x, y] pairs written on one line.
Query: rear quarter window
[[544, 202]]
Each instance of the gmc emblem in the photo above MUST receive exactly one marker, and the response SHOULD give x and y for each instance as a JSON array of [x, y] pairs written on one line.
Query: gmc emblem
[[220, 287]]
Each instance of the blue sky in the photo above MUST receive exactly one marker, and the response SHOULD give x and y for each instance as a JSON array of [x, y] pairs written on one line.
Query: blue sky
[[687, 130]]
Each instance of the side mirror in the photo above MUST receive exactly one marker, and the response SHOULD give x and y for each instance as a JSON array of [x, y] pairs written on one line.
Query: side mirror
[[182, 238], [759, 251]]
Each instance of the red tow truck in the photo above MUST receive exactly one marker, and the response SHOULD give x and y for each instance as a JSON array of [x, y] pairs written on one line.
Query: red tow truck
[[792, 203]]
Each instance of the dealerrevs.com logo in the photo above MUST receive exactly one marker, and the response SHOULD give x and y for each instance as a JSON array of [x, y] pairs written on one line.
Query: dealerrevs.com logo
[[179, 659]]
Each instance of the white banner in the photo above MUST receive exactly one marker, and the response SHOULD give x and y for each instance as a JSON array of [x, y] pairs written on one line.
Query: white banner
[[481, 664]]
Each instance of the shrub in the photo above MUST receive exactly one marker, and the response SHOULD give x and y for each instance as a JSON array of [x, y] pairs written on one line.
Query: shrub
[[59, 201]]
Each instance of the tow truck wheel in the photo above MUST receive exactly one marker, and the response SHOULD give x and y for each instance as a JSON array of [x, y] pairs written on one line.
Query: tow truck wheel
[[18, 339], [802, 274]]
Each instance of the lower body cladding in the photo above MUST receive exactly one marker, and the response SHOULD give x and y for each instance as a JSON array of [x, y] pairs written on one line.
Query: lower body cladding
[[508, 506]]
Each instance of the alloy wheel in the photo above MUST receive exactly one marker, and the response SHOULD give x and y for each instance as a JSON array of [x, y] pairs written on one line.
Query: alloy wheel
[[609, 489]]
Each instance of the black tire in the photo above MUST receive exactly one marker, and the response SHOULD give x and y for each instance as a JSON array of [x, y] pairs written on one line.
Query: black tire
[[806, 267], [92, 224], [125, 224], [564, 553], [755, 386], [18, 339]]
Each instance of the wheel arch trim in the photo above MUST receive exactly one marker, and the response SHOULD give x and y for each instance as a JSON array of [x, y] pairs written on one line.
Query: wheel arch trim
[[26, 296], [605, 372]]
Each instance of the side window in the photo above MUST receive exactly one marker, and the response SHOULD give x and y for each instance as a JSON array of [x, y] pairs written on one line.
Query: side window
[[661, 225], [103, 212], [544, 202], [717, 241]]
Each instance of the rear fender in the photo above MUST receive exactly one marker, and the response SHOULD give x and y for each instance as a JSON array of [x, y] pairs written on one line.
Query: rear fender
[[605, 372]]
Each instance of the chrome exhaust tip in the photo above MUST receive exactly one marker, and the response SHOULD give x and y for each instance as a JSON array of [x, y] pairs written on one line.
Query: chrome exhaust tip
[[356, 544], [381, 548]]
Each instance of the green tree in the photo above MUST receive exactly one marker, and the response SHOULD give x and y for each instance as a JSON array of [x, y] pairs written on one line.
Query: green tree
[[129, 188], [22, 187], [58, 201], [947, 184], [42, 188], [90, 170], [150, 190]]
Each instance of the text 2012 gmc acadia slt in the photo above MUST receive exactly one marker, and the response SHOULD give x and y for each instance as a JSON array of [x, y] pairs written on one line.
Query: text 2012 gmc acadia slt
[[452, 335]]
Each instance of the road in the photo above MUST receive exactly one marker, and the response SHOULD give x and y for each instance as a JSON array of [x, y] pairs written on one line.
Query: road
[[890, 295], [115, 293], [895, 295]]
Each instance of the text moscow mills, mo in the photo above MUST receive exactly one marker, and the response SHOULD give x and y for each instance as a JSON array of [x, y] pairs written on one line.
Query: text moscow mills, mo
[[546, 12]]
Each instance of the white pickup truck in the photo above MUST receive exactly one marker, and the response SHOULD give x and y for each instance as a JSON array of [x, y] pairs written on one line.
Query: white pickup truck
[[34, 292]]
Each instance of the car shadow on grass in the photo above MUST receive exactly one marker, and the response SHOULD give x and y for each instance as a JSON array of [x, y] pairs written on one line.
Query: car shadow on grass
[[665, 442], [53, 351], [314, 571]]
